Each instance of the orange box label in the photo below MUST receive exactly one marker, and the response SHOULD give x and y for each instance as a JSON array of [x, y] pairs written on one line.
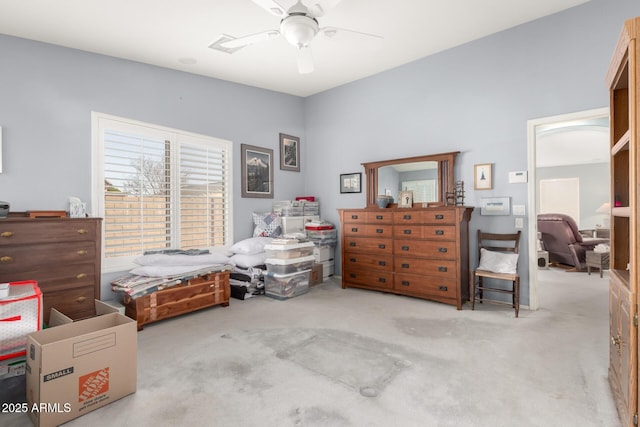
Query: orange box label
[[93, 384]]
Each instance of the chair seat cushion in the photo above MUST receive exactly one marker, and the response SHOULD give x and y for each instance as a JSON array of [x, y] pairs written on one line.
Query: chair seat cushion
[[498, 262]]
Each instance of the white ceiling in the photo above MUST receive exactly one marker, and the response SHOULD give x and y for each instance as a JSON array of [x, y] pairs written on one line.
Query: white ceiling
[[176, 34]]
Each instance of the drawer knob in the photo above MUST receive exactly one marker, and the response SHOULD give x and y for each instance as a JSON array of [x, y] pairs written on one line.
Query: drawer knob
[[406, 217], [82, 231], [352, 275], [352, 259], [7, 234], [379, 230], [405, 283], [382, 280], [379, 217], [439, 232], [443, 250], [6, 259], [82, 252], [81, 276], [406, 231], [439, 216], [405, 248], [405, 265], [352, 243], [443, 288], [381, 246], [382, 263], [354, 216], [354, 229], [81, 299], [442, 269]]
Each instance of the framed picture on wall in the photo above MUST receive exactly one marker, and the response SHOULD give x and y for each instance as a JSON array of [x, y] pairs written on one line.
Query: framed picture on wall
[[483, 179], [257, 171], [289, 153], [351, 182]]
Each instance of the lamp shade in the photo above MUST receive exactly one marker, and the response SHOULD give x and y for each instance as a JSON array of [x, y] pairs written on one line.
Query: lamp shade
[[604, 208]]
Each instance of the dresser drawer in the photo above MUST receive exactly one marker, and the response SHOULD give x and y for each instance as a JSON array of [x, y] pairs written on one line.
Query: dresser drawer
[[359, 217], [369, 230], [368, 261], [56, 277], [438, 268], [425, 248], [76, 303], [44, 231], [370, 278], [434, 232], [25, 257], [440, 216], [366, 244], [428, 286], [408, 217]]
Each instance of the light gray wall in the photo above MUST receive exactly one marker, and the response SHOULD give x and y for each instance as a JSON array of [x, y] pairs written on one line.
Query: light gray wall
[[475, 99], [48, 93], [594, 189]]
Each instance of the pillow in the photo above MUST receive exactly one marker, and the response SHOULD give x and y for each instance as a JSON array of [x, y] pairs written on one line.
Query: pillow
[[181, 259], [267, 224], [497, 262], [246, 261], [251, 246]]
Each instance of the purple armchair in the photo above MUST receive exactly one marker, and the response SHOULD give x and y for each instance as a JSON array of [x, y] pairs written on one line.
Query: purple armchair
[[560, 237]]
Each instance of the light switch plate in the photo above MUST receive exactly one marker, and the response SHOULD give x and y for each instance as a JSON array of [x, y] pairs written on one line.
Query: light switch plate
[[519, 222], [519, 210]]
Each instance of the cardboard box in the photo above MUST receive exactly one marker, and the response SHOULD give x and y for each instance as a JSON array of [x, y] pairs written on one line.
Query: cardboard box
[[80, 366], [316, 274]]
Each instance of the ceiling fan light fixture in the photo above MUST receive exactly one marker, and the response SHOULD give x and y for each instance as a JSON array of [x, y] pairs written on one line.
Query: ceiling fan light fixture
[[299, 30]]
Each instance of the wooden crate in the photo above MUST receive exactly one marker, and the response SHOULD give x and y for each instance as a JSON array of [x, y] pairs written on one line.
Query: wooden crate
[[204, 291]]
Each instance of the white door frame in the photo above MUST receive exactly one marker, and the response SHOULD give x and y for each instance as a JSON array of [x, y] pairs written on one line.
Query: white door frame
[[533, 226]]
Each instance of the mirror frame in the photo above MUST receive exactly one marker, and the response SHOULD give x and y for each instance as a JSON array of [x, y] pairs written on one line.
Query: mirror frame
[[446, 164]]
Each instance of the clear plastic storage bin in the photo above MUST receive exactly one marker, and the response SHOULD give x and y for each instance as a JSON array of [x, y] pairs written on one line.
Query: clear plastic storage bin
[[284, 286], [289, 265], [296, 250]]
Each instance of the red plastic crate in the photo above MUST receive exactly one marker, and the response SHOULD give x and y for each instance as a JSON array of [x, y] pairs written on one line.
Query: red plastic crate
[[20, 315]]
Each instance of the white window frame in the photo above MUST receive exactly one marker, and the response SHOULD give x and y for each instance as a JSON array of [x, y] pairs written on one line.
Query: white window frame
[[100, 122]]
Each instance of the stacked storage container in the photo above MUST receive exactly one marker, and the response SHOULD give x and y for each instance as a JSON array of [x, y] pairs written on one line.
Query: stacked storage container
[[324, 237], [294, 214], [288, 268]]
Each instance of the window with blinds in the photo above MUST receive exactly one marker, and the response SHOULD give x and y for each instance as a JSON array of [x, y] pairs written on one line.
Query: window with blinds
[[159, 188]]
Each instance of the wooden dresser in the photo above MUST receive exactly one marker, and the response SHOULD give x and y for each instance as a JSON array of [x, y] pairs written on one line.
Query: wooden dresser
[[61, 254], [420, 252]]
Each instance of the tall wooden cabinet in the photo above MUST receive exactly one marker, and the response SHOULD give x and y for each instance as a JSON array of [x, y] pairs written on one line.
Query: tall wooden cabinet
[[421, 252], [62, 254], [623, 81]]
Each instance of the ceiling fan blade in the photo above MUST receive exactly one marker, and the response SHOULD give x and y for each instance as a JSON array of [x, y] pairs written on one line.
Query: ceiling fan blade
[[305, 60], [235, 43], [316, 9], [332, 32], [272, 7]]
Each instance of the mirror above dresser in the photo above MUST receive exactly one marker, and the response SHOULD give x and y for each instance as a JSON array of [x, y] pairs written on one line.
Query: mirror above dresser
[[430, 177]]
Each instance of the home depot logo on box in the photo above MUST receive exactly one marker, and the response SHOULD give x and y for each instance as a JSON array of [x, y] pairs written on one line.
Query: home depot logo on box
[[93, 384]]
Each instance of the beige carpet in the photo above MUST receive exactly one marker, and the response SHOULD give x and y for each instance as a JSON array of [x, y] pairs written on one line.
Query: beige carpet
[[335, 357]]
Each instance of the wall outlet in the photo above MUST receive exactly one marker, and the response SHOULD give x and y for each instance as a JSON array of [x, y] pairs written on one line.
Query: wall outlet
[[519, 222]]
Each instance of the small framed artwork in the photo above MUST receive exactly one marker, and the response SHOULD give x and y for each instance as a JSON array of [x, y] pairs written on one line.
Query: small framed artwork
[[257, 171], [483, 179], [405, 199], [351, 182], [495, 206], [289, 153]]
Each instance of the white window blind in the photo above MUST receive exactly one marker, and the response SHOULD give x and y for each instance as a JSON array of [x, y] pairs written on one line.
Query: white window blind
[[159, 188]]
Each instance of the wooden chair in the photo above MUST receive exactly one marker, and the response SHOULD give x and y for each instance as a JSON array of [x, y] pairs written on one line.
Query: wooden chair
[[499, 245]]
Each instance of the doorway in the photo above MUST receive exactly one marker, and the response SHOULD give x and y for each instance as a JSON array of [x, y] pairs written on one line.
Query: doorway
[[572, 146]]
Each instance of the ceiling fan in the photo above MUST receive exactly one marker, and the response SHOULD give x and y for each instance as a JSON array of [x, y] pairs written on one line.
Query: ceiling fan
[[299, 26]]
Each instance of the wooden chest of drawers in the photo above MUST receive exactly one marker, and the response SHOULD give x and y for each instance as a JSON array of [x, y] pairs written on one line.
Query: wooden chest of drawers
[[418, 252], [61, 254]]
